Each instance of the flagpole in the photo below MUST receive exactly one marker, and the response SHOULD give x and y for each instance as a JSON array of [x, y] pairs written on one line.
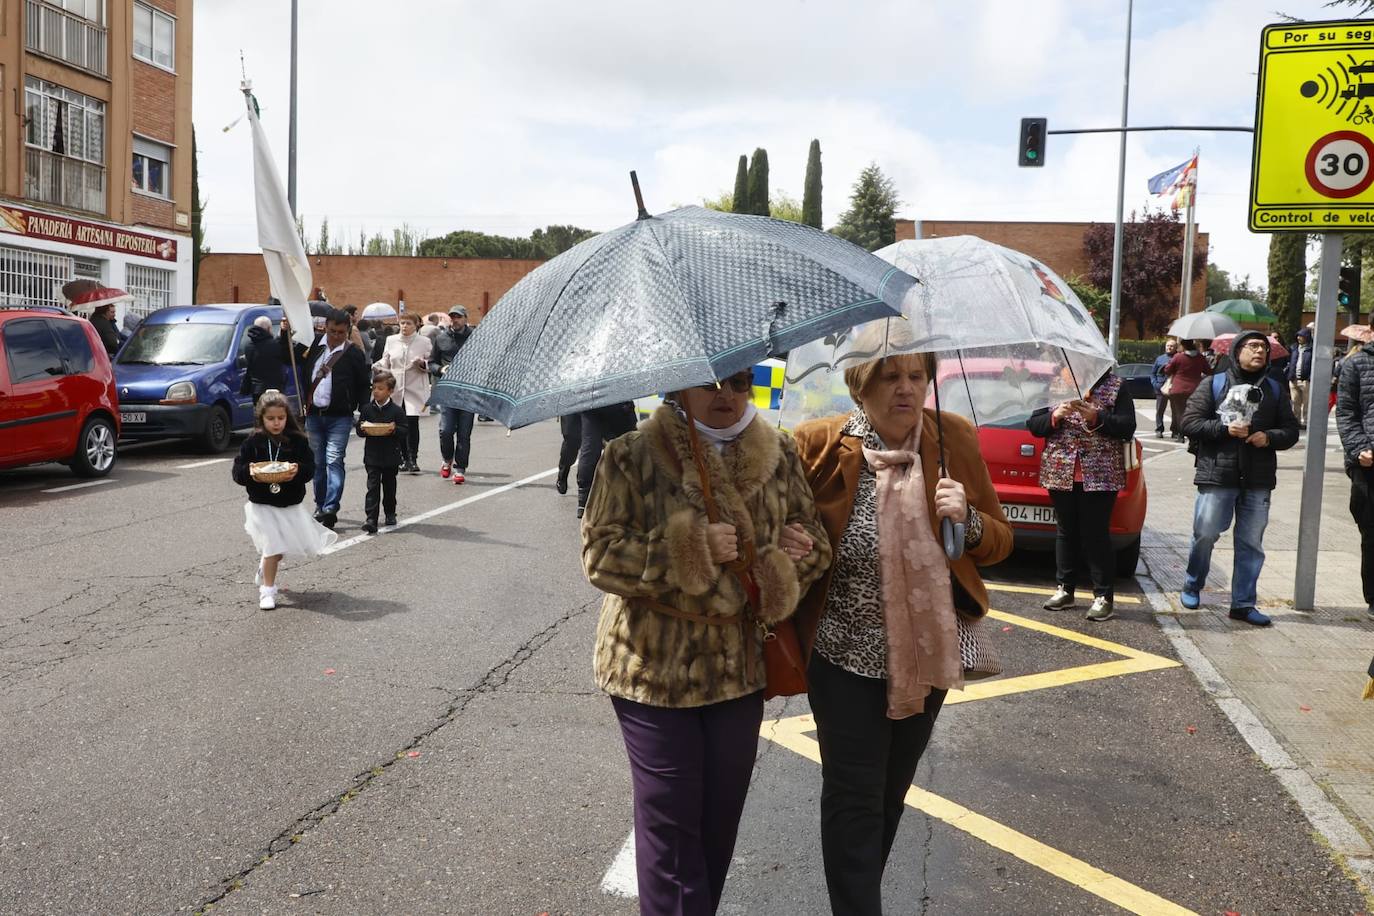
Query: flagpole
[[1118, 241], [1185, 299], [291, 135]]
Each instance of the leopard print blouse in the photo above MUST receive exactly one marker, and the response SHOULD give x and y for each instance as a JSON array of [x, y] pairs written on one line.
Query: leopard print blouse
[[851, 633]]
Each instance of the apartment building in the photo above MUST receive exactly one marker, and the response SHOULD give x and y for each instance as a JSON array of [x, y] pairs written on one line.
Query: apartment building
[[95, 148]]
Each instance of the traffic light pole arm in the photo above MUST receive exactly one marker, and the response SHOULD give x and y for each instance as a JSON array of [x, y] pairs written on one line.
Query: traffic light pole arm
[[1117, 130]]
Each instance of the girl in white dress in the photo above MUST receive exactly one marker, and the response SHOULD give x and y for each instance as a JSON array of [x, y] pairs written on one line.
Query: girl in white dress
[[274, 516]]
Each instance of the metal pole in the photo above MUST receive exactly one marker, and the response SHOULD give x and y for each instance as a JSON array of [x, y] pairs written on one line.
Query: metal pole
[[1314, 462], [291, 142], [1119, 241], [1185, 297]]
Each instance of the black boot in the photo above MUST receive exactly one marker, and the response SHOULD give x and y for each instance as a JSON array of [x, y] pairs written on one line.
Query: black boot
[[560, 483]]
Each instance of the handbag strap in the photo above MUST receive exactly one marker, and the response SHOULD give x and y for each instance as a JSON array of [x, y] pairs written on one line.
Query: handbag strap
[[323, 373]]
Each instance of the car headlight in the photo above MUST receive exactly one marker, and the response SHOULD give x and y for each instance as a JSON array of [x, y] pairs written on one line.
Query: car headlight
[[180, 393]]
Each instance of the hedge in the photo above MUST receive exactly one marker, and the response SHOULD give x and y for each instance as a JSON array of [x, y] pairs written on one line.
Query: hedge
[[1138, 351]]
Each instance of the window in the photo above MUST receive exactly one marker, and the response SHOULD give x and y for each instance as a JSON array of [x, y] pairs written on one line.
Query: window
[[88, 269], [72, 31], [152, 167], [150, 287], [64, 122], [154, 36], [93, 10], [31, 350], [32, 277], [76, 347]]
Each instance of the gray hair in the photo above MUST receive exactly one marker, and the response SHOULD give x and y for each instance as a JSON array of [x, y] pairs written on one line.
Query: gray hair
[[262, 321]]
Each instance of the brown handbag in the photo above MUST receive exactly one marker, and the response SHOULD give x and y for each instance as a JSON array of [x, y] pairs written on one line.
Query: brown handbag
[[783, 664]]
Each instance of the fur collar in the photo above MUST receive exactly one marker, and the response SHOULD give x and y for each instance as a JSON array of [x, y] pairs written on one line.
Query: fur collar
[[737, 473]]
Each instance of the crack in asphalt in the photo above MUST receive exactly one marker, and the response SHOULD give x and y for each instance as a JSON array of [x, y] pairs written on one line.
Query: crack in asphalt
[[496, 678]]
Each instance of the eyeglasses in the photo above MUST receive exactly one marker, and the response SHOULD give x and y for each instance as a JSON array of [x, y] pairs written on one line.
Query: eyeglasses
[[740, 383], [1257, 345]]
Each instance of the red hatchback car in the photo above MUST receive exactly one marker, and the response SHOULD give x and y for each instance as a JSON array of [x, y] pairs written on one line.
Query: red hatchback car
[[57, 392], [1012, 455]]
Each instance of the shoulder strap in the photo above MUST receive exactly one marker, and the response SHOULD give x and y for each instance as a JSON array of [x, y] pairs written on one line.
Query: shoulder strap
[[324, 371], [1218, 385]]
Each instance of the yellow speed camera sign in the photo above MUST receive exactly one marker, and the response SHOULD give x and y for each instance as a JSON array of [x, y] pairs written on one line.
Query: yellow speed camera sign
[[1313, 166]]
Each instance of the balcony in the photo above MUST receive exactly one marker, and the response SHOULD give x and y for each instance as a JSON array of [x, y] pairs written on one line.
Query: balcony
[[65, 182], [61, 35]]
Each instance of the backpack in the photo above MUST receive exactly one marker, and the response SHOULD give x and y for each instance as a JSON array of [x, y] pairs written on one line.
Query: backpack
[[1219, 388]]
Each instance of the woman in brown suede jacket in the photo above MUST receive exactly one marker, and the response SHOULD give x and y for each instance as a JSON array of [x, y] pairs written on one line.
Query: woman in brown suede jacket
[[678, 645], [880, 629]]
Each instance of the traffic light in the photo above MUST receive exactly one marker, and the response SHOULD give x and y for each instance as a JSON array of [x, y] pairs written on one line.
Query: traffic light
[[1032, 149], [1348, 290]]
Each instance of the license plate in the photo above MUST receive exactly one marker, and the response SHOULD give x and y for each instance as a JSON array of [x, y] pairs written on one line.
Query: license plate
[[1029, 515], [132, 417]]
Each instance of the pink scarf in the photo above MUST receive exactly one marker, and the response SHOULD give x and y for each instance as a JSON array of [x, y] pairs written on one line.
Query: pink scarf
[[918, 605]]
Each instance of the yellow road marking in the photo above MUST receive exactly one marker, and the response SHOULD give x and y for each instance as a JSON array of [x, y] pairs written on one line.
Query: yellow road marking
[[791, 734], [1029, 623], [1032, 590]]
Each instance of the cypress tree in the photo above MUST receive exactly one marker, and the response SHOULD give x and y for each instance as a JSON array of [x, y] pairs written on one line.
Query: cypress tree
[[811, 194], [870, 221], [741, 204], [758, 183], [1288, 280]]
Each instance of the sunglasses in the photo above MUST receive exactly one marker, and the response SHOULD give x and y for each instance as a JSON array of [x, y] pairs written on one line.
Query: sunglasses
[[740, 383]]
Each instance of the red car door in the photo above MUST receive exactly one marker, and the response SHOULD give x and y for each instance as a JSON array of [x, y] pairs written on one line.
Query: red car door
[[36, 409]]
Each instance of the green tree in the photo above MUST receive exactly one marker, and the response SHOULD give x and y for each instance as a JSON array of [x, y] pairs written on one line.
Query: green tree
[[1361, 7], [542, 244], [871, 220], [554, 240], [1151, 263], [1095, 299], [1218, 284], [1288, 280], [740, 199], [811, 191], [784, 206], [724, 202], [198, 249], [758, 183]]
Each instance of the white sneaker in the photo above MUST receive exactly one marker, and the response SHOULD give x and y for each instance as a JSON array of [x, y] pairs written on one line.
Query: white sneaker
[[257, 576], [267, 597]]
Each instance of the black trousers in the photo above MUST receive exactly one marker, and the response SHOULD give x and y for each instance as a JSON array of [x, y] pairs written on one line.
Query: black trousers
[[1161, 403], [599, 426], [412, 446], [1362, 508], [381, 488], [867, 764], [1084, 539], [571, 428]]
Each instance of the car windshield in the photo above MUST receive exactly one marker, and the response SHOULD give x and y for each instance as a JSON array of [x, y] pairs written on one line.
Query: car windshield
[[178, 345], [1010, 400]]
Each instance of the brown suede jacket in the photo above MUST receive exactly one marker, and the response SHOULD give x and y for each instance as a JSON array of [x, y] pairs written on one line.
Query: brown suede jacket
[[644, 543], [833, 463]]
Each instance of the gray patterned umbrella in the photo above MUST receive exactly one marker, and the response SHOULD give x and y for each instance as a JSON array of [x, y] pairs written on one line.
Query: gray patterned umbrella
[[664, 303]]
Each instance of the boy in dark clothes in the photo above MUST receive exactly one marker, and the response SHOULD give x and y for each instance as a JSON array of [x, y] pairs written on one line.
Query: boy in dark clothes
[[382, 454]]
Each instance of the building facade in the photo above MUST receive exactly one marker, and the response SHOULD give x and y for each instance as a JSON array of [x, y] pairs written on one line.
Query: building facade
[[95, 148]]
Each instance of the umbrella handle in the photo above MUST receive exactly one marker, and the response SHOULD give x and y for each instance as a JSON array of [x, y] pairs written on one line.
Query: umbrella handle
[[952, 533]]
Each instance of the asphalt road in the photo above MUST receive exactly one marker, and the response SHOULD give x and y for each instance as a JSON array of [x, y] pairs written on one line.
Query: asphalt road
[[415, 730]]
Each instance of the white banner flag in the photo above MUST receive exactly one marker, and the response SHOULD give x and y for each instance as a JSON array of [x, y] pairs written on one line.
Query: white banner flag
[[288, 269]]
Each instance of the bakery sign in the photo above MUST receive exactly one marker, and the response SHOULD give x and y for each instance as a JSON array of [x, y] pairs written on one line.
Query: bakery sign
[[30, 223]]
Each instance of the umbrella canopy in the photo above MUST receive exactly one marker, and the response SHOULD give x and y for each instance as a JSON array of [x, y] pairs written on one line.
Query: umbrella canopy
[[1223, 343], [85, 303], [665, 303], [978, 306], [1360, 333], [1244, 310], [1203, 326], [379, 310]]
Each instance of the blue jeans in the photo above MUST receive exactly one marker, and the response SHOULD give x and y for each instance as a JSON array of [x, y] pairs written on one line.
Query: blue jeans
[[329, 442], [1211, 516], [455, 436]]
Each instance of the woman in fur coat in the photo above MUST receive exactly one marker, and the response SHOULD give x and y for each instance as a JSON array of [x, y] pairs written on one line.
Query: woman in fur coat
[[678, 646]]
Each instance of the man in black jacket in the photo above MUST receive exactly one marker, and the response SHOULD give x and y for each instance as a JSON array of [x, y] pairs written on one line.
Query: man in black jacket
[[263, 355], [455, 426], [338, 378], [1300, 376], [1355, 422], [1237, 469]]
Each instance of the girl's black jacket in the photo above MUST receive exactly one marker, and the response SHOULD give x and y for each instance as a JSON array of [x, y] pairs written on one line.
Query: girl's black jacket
[[294, 447]]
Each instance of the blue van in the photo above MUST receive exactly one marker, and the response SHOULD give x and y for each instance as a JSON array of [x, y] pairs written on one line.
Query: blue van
[[179, 375]]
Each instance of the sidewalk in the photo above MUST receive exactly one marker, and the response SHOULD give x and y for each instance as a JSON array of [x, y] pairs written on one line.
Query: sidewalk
[[1303, 676]]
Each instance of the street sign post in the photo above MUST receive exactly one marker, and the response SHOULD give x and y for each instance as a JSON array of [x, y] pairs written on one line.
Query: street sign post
[[1313, 171]]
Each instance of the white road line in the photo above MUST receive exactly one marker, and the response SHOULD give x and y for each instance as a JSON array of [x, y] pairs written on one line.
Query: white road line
[[620, 879], [81, 486], [425, 516], [201, 464]]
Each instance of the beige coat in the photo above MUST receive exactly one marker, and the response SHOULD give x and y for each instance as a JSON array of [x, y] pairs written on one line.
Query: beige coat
[[644, 537], [412, 385]]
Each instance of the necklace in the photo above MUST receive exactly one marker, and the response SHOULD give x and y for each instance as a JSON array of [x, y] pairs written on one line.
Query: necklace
[[276, 487]]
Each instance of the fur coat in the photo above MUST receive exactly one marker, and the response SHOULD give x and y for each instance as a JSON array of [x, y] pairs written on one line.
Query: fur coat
[[644, 537]]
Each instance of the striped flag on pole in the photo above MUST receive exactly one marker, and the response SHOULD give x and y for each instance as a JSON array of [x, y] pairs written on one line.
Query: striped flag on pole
[[1180, 181]]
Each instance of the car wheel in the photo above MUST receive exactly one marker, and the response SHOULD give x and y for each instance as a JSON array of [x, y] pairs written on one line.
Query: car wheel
[[1127, 558], [217, 430], [95, 449]]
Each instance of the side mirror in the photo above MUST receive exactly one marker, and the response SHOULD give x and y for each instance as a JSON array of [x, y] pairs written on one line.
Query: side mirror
[[241, 362]]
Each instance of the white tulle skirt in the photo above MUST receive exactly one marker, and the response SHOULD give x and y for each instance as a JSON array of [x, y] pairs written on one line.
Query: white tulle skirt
[[289, 531]]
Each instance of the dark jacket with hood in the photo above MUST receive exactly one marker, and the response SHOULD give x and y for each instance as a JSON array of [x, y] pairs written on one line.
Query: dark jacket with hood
[[262, 447], [1300, 361], [1222, 459], [447, 343], [1355, 405], [109, 334], [263, 353]]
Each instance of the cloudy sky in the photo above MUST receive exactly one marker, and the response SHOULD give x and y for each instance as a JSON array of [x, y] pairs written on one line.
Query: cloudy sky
[[506, 117]]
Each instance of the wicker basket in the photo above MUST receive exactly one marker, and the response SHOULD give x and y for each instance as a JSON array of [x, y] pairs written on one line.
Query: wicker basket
[[377, 429], [257, 472]]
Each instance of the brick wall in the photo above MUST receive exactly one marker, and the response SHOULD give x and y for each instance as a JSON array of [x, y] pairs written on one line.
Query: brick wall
[[1058, 245], [153, 108], [429, 284]]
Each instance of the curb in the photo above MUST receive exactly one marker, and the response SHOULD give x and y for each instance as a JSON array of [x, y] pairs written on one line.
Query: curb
[[1344, 838]]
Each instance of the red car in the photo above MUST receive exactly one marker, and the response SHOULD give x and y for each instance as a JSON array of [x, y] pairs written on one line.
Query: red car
[[1012, 455], [57, 392]]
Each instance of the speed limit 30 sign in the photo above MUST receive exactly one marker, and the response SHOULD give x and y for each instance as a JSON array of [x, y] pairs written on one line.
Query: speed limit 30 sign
[[1313, 165]]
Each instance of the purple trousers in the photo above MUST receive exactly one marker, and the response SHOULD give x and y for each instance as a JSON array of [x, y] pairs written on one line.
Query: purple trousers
[[690, 769]]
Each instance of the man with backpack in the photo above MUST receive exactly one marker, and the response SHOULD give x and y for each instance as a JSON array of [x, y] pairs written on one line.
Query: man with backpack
[[1355, 422], [1237, 422]]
